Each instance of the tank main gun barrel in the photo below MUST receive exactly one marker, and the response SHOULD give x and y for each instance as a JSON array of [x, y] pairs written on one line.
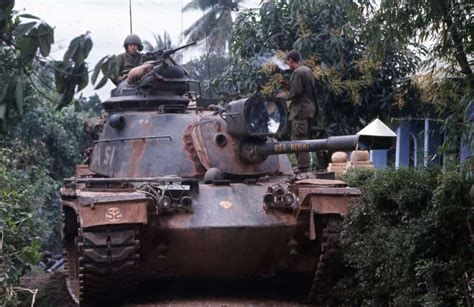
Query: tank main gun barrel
[[333, 143], [255, 119], [255, 152]]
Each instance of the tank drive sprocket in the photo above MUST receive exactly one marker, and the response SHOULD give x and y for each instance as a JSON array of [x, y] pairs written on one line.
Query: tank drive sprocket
[[99, 262]]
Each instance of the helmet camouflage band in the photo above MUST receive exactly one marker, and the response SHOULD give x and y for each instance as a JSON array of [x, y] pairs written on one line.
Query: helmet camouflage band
[[133, 39]]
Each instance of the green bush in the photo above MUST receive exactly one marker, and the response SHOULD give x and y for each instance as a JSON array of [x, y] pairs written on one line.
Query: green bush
[[408, 239], [29, 182], [49, 142], [358, 177], [20, 245]]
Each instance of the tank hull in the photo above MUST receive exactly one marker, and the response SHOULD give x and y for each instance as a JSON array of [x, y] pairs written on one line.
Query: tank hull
[[229, 234], [220, 252], [169, 195]]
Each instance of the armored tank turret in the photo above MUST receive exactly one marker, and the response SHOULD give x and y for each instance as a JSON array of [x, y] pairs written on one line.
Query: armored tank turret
[[172, 191]]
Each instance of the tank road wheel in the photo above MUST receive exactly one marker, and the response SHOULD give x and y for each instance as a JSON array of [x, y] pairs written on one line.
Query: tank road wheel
[[330, 267], [100, 262]]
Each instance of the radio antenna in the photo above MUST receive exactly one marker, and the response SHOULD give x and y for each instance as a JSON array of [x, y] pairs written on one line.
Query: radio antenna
[[130, 9]]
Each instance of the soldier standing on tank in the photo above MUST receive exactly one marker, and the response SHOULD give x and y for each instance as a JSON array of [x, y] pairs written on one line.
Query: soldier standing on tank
[[131, 57], [303, 104]]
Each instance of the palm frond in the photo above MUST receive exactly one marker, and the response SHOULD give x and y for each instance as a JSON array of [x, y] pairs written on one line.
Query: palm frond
[[215, 24], [203, 24], [202, 5], [162, 42]]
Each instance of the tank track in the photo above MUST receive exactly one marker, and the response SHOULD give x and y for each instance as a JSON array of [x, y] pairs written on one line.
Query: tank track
[[100, 263], [330, 267]]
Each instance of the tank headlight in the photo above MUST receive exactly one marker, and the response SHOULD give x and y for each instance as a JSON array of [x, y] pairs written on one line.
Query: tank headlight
[[279, 197], [165, 202], [279, 191], [289, 199], [186, 201], [256, 117], [268, 199], [276, 190]]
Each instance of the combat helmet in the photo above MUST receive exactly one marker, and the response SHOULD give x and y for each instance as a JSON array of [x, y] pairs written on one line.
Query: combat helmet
[[133, 39]]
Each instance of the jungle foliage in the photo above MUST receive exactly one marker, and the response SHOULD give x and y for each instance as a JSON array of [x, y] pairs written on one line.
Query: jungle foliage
[[445, 78], [354, 85], [445, 24], [25, 44], [29, 179], [39, 146], [40, 149], [409, 239], [205, 69], [19, 245]]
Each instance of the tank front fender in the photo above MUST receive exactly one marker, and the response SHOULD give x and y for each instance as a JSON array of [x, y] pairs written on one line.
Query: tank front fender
[[115, 212], [323, 201]]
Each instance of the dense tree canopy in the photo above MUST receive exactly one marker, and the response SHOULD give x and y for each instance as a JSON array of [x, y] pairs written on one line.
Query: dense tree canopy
[[441, 32], [40, 144], [444, 25], [25, 42], [40, 149], [354, 86], [205, 69]]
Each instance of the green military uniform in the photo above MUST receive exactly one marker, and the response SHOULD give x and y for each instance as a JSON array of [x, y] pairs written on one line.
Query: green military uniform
[[127, 61], [302, 109]]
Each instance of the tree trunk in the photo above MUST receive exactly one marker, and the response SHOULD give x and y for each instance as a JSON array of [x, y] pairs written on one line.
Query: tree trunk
[[460, 54]]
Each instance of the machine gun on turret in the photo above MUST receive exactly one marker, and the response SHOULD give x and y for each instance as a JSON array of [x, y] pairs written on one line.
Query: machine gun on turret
[[156, 84], [163, 54]]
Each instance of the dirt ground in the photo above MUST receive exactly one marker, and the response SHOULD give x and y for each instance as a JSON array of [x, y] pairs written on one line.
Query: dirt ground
[[51, 288], [52, 291]]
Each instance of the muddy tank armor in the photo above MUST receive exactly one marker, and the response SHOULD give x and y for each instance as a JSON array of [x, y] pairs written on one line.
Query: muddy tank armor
[[169, 190]]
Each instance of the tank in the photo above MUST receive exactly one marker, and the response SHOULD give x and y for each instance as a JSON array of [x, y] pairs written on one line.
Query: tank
[[170, 190]]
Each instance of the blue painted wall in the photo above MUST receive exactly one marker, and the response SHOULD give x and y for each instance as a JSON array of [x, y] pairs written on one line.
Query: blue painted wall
[[418, 143]]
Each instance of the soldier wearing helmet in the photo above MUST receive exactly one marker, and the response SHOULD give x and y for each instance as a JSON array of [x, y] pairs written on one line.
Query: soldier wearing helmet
[[131, 57]]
